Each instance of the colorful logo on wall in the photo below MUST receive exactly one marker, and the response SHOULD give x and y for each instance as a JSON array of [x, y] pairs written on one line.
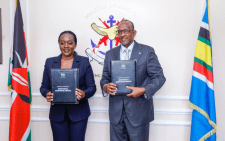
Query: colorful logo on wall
[[109, 33]]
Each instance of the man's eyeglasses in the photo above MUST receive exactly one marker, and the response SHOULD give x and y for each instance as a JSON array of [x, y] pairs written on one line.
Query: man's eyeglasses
[[125, 31]]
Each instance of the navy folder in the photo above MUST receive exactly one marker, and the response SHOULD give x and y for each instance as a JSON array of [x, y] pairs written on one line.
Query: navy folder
[[64, 84], [123, 73]]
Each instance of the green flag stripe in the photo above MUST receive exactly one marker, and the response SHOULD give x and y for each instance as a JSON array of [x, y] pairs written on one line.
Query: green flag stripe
[[29, 87], [203, 63], [204, 40], [29, 137], [9, 75]]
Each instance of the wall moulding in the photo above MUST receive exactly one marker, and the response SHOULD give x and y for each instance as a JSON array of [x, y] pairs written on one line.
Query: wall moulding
[[158, 111], [164, 123], [185, 98]]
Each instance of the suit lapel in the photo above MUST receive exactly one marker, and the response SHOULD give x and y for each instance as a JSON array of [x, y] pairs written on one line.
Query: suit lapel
[[76, 61], [57, 62], [136, 52], [117, 53]]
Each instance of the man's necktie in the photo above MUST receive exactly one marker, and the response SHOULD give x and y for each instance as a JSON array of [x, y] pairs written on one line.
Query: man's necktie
[[127, 54]]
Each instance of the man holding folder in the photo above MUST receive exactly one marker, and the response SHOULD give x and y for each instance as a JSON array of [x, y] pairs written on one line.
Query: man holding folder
[[130, 114]]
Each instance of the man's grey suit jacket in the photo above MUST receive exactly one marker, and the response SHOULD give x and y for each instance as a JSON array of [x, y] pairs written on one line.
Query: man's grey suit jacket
[[149, 75]]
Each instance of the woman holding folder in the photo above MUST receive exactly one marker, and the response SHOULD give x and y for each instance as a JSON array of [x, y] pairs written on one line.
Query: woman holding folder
[[69, 121]]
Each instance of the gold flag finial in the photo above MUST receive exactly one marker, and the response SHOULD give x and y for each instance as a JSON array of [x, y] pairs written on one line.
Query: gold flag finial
[[15, 4]]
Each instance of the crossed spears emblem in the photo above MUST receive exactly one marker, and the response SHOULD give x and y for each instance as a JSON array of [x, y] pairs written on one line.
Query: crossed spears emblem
[[110, 32]]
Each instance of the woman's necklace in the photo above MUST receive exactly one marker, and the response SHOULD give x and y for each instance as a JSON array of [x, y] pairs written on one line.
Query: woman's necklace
[[67, 62]]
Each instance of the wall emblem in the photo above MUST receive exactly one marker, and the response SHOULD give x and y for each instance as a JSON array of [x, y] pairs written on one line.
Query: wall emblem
[[109, 33]]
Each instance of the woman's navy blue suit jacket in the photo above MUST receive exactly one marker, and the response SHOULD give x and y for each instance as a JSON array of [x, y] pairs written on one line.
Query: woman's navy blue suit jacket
[[77, 112]]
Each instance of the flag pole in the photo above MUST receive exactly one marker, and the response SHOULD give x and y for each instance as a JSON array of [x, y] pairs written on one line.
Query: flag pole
[[11, 22], [28, 29], [10, 41], [209, 20]]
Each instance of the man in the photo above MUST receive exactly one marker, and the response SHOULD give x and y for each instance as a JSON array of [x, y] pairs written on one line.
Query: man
[[130, 114]]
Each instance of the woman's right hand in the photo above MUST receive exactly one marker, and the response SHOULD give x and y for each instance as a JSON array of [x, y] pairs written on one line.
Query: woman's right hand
[[49, 96]]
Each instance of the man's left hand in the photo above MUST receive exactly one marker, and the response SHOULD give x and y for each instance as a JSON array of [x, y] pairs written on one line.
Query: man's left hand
[[136, 91]]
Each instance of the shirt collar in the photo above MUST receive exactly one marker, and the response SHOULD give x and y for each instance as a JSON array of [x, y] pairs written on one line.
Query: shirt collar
[[130, 47]]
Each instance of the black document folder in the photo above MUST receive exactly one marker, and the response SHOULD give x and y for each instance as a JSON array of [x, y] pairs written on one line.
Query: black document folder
[[123, 73], [64, 84]]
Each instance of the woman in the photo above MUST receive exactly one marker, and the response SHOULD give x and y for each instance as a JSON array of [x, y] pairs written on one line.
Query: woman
[[69, 121]]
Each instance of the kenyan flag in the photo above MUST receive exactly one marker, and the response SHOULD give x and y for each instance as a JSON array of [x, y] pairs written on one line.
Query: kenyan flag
[[19, 83]]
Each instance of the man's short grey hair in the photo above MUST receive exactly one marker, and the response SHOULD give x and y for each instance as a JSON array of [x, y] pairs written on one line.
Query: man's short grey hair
[[125, 20]]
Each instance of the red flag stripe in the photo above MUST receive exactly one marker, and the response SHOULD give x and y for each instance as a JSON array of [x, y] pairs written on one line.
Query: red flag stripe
[[19, 119], [202, 70]]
